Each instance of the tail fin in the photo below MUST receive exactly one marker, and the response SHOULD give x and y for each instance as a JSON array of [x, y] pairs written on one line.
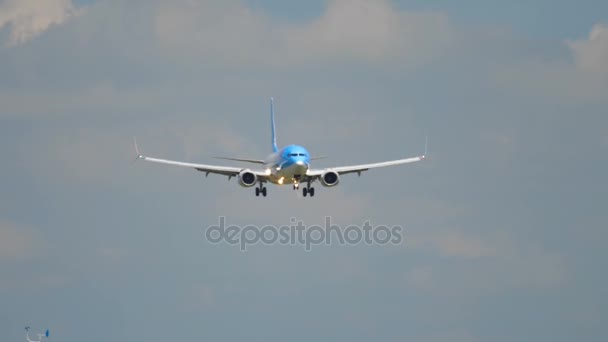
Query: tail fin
[[275, 148]]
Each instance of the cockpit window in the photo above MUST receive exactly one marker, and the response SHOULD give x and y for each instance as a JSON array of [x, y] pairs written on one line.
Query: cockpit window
[[297, 154]]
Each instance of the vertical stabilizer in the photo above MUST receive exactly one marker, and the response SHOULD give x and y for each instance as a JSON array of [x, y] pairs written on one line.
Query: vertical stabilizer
[[275, 148]]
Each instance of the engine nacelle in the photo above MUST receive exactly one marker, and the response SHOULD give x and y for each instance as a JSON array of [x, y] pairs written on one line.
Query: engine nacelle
[[330, 178], [247, 178]]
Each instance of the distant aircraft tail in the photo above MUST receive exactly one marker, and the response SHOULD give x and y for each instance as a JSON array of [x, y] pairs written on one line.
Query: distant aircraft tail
[[275, 148], [40, 336]]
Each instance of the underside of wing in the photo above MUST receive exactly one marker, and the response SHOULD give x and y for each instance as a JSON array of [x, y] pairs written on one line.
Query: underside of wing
[[229, 171], [364, 167]]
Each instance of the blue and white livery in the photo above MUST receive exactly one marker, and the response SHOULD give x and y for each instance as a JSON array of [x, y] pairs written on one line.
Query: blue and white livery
[[288, 165]]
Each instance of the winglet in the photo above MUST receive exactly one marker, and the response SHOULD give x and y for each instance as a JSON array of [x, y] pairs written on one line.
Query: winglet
[[426, 143], [139, 155]]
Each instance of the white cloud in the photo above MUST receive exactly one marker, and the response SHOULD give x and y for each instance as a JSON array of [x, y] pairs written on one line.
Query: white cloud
[[591, 54], [227, 31], [355, 30], [368, 31], [29, 18], [581, 76], [159, 40]]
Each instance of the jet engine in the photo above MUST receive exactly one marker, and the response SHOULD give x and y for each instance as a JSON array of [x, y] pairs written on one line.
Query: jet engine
[[330, 178], [247, 178]]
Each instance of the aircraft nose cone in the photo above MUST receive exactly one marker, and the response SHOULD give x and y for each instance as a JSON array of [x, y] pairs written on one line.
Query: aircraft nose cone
[[300, 162]]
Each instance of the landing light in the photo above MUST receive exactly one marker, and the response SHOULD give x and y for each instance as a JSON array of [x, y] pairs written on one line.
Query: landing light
[[268, 172], [281, 180]]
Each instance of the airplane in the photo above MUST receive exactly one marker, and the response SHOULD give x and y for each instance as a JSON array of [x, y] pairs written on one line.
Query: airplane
[[40, 336], [287, 165]]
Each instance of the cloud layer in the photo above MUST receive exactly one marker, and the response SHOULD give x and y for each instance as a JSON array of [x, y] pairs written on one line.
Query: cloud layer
[[27, 19], [591, 54], [364, 31]]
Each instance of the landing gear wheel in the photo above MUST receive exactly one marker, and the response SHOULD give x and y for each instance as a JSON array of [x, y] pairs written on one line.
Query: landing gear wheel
[[311, 191], [260, 190], [304, 192]]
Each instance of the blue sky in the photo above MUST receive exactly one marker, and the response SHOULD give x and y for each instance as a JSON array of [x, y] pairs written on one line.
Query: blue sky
[[505, 225]]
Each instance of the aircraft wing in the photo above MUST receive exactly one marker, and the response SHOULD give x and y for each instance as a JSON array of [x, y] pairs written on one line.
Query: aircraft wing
[[364, 167], [221, 170], [229, 171]]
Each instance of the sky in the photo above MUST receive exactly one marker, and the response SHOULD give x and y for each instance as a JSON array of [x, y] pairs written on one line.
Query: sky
[[505, 223]]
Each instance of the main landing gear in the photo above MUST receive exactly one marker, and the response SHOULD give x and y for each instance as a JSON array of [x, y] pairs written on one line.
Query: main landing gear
[[308, 190], [260, 190]]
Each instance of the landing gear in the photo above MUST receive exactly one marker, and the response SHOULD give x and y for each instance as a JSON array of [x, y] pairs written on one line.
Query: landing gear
[[260, 190], [296, 184], [308, 190]]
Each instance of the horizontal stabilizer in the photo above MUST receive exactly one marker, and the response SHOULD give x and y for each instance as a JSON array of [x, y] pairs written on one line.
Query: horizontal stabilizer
[[255, 161]]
